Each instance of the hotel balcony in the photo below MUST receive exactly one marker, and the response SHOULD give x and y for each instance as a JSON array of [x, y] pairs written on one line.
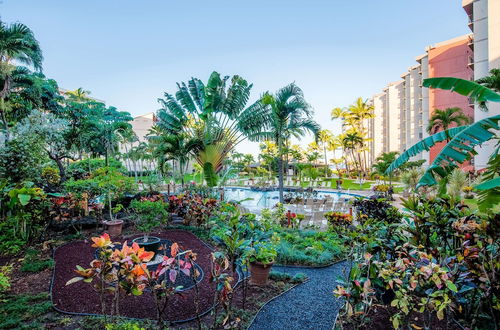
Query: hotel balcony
[[470, 42], [470, 62]]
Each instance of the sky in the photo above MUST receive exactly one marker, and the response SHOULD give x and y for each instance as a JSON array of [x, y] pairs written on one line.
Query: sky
[[128, 53]]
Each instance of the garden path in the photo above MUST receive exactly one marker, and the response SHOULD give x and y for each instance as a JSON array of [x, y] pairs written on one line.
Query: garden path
[[310, 305]]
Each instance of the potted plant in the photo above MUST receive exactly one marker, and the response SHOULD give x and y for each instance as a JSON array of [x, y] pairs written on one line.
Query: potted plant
[[149, 214], [115, 226], [113, 185], [261, 257]]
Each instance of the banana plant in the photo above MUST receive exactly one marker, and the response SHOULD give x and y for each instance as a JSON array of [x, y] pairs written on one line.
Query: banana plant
[[462, 140], [476, 92]]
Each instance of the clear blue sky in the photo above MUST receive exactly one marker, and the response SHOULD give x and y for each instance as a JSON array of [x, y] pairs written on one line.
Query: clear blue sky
[[129, 52]]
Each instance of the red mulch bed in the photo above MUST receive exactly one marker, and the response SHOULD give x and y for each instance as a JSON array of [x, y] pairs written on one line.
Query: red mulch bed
[[80, 297]]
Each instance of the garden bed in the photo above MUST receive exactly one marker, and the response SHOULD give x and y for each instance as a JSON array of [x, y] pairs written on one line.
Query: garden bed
[[378, 318], [82, 299]]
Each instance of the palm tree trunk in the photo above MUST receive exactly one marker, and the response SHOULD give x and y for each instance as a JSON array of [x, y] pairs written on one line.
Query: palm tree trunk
[[326, 165], [280, 169]]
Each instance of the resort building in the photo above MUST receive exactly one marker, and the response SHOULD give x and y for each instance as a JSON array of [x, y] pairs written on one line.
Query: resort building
[[468, 57], [406, 107], [484, 22]]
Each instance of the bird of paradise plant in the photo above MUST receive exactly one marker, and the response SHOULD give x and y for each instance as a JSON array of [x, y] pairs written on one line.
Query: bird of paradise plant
[[213, 116]]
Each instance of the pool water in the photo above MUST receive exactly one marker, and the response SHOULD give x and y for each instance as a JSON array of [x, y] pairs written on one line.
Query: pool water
[[258, 200]]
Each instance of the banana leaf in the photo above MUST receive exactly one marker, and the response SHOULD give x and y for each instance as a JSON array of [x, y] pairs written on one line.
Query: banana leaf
[[475, 91], [460, 149], [425, 144], [490, 184]]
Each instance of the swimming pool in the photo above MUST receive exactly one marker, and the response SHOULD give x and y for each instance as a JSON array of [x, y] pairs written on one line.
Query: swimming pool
[[257, 200]]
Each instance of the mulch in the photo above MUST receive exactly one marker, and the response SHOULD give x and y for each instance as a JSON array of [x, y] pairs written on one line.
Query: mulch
[[81, 297]]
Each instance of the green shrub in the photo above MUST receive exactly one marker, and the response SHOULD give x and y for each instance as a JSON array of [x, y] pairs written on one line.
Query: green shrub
[[149, 214], [5, 278], [124, 325], [285, 277], [81, 169], [24, 310], [33, 263], [299, 278], [308, 247]]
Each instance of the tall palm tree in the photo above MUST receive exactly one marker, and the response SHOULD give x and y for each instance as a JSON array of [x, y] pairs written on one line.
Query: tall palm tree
[[441, 120], [325, 138], [215, 114], [286, 114], [17, 43], [352, 142]]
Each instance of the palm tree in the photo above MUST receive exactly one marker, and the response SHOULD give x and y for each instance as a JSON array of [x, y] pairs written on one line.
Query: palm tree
[[17, 43], [352, 141], [214, 114], [383, 161], [441, 120], [492, 81], [353, 120], [78, 95], [176, 147], [325, 138], [286, 114]]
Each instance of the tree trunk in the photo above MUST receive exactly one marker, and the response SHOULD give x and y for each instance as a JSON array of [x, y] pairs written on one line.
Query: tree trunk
[[4, 119], [326, 164], [62, 170], [280, 169]]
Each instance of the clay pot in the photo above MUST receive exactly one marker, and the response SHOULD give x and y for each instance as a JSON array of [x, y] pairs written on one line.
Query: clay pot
[[114, 227], [259, 272], [152, 244]]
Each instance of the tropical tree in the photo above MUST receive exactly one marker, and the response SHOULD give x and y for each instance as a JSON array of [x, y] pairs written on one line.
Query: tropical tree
[[352, 142], [17, 44], [268, 154], [51, 130], [215, 115], [325, 138], [177, 147], [492, 81], [354, 118], [286, 113], [441, 120], [383, 161]]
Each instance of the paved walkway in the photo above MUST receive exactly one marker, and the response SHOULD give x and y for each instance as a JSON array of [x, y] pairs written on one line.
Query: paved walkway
[[310, 305]]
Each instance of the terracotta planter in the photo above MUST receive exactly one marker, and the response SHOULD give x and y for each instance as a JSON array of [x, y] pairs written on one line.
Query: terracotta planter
[[114, 227], [152, 245], [259, 272]]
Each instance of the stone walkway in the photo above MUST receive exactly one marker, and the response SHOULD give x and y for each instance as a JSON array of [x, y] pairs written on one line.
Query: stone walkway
[[310, 305]]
